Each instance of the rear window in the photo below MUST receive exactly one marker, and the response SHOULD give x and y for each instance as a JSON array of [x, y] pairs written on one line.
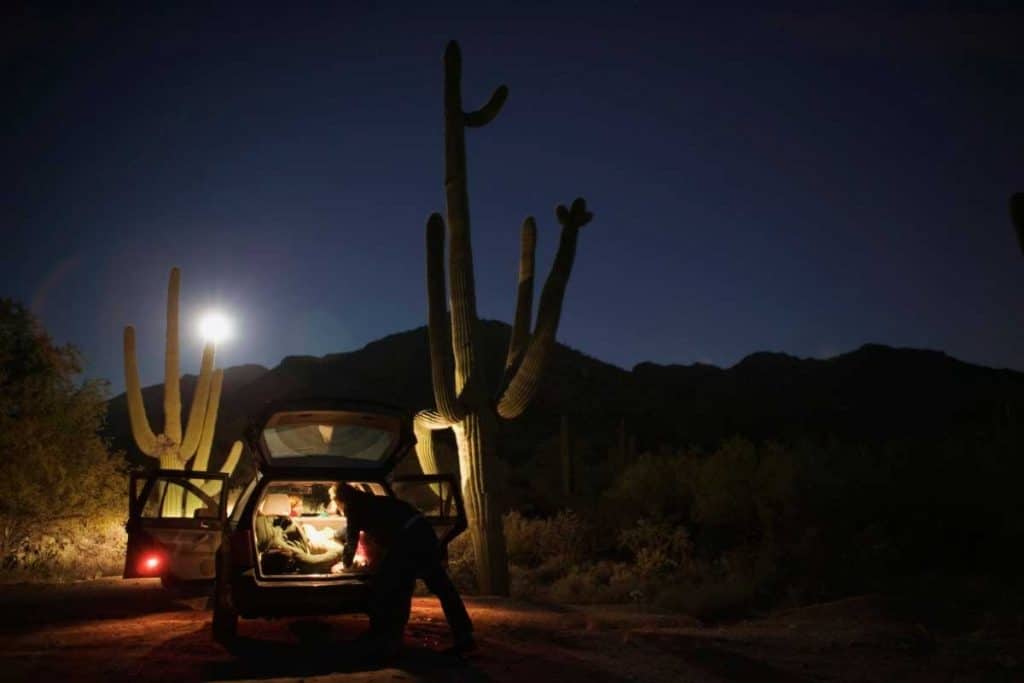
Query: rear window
[[329, 438]]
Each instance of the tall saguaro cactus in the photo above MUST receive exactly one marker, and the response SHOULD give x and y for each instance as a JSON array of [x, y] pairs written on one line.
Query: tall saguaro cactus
[[463, 401], [173, 448]]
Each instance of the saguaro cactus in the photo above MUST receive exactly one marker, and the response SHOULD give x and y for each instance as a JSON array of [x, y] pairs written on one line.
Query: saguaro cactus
[[463, 401], [173, 449]]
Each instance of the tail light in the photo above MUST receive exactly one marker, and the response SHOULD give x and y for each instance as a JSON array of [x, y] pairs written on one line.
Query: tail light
[[152, 563]]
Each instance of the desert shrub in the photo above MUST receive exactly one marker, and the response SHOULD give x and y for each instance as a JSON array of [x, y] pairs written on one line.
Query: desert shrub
[[658, 548], [70, 549], [598, 582], [655, 487], [461, 566], [55, 465], [755, 525], [561, 540]]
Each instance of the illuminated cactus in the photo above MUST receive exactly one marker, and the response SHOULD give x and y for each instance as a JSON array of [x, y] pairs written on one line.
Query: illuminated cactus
[[173, 449], [463, 400]]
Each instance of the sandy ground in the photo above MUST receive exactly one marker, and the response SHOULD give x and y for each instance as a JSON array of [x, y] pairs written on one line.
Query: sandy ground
[[109, 630]]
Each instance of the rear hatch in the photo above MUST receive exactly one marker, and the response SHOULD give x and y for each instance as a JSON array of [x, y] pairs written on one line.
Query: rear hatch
[[330, 435]]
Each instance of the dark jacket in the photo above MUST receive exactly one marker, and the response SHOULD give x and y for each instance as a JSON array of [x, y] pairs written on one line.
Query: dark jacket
[[383, 518]]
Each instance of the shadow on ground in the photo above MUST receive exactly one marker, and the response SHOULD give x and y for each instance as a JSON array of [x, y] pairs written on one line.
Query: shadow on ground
[[32, 605], [295, 649]]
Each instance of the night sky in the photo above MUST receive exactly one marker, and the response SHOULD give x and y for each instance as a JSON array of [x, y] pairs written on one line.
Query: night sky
[[762, 179]]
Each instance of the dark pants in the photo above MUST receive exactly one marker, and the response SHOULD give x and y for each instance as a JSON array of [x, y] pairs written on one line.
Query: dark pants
[[415, 554]]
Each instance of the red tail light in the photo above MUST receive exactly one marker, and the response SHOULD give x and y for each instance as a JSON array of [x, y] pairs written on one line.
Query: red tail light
[[152, 563]]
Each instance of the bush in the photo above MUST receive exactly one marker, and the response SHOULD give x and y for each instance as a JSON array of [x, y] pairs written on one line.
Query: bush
[[55, 466], [659, 548], [656, 488], [599, 582], [461, 566], [562, 540], [68, 550]]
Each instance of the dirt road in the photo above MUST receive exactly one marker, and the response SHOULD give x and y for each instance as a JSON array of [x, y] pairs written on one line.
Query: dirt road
[[109, 630]]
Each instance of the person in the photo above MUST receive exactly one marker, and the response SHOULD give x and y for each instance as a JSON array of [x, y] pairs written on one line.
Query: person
[[332, 505], [411, 551]]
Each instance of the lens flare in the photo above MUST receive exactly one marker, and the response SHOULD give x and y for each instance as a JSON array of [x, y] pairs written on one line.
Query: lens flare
[[215, 327]]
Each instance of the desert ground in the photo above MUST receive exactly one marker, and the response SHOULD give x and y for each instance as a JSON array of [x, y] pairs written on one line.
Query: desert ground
[[110, 629]]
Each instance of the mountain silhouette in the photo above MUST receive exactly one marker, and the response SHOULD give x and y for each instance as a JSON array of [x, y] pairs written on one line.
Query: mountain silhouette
[[873, 394]]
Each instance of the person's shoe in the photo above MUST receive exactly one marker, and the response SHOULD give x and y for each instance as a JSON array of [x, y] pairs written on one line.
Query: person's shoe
[[463, 644]]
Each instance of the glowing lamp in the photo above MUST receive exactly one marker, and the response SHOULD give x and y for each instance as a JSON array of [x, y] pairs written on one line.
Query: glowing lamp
[[151, 563], [215, 327]]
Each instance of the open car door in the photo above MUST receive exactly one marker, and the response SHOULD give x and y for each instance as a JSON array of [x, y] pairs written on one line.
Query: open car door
[[175, 518], [438, 498]]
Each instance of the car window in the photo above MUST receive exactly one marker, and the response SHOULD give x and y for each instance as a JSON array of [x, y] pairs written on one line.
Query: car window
[[329, 439], [179, 498]]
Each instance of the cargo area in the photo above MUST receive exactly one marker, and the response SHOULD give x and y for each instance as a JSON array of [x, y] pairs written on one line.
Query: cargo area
[[300, 532]]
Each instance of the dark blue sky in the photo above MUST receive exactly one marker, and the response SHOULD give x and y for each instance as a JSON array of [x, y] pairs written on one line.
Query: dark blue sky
[[793, 179]]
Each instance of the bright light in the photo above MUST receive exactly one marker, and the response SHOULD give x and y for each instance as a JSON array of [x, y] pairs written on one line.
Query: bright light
[[215, 327], [150, 564]]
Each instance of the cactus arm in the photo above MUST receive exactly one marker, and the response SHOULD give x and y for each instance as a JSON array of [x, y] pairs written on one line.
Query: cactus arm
[[433, 420], [232, 461], [437, 324], [141, 431], [197, 412], [172, 389], [1017, 215], [212, 486], [524, 383], [524, 296], [485, 114], [202, 461], [424, 426]]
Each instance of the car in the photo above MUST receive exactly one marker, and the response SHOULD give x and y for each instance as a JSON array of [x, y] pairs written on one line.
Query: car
[[276, 551]]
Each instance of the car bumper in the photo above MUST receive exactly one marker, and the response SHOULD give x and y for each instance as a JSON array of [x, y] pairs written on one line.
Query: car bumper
[[254, 598]]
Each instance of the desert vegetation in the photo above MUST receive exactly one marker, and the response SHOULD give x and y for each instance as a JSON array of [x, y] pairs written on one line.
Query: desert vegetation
[[62, 491], [748, 526]]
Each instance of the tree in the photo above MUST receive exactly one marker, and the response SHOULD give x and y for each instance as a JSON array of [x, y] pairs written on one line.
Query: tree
[[465, 403], [53, 462]]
